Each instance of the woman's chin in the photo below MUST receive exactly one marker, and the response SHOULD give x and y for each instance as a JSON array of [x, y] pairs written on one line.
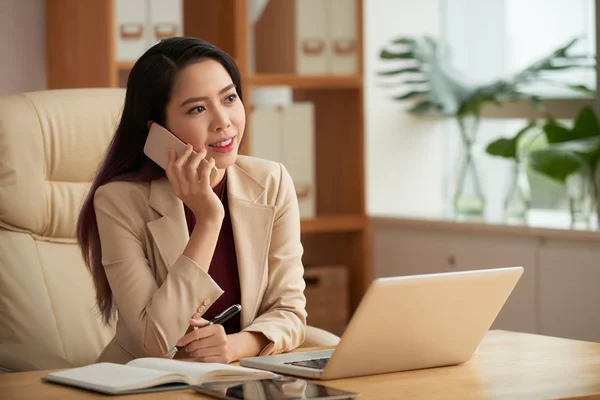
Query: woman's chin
[[222, 161]]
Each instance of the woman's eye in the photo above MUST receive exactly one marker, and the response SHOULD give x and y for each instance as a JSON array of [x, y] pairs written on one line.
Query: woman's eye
[[231, 98], [197, 110]]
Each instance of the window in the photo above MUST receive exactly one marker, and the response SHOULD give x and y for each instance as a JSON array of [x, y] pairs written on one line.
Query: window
[[493, 38], [488, 39]]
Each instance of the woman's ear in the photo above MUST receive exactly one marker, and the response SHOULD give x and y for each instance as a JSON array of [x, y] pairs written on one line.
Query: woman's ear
[[150, 122]]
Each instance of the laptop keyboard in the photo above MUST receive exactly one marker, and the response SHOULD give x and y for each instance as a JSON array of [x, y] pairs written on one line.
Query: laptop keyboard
[[316, 363]]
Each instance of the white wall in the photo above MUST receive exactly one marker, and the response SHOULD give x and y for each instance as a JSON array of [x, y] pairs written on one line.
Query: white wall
[[404, 154], [22, 46]]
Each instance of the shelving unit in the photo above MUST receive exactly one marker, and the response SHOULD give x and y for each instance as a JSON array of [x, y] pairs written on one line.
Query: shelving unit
[[339, 234], [306, 82]]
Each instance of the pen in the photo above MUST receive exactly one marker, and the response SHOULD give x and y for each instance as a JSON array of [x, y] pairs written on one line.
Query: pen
[[219, 319]]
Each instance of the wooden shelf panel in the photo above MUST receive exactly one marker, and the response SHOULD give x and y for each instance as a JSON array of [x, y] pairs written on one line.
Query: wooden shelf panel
[[341, 223], [125, 65], [306, 81]]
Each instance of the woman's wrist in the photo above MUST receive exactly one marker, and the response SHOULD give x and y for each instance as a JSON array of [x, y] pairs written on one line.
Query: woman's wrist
[[202, 243], [246, 344]]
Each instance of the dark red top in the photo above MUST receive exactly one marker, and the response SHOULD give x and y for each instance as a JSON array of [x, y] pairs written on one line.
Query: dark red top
[[223, 267]]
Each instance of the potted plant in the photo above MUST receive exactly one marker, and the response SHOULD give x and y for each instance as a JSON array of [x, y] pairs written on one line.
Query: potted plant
[[572, 158], [437, 88]]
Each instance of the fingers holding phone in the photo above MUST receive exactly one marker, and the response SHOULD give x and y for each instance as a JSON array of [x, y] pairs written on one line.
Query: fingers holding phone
[[181, 170], [191, 168], [206, 170]]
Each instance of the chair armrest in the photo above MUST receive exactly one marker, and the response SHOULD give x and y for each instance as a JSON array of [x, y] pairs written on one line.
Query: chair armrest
[[317, 337], [20, 358]]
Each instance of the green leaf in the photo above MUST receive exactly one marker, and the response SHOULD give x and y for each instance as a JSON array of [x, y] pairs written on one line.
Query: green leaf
[[400, 71], [410, 95], [586, 124], [563, 67], [416, 82], [556, 133], [403, 40], [554, 163], [388, 55], [586, 148], [508, 148], [585, 145], [421, 107], [582, 89], [503, 148], [562, 51]]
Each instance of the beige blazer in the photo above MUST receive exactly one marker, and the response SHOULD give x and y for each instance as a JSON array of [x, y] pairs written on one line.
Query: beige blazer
[[143, 233]]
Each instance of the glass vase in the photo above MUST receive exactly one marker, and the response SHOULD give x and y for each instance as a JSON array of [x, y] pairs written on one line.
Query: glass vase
[[469, 201], [580, 191], [518, 195]]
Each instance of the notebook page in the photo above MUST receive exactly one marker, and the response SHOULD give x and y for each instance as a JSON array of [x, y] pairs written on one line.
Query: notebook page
[[197, 370], [109, 377]]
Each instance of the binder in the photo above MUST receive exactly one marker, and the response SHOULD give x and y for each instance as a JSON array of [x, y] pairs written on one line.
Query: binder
[[312, 45], [165, 19], [306, 37], [343, 57], [299, 154], [285, 134], [131, 29], [142, 23]]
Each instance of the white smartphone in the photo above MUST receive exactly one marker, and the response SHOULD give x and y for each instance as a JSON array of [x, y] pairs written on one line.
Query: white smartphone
[[158, 143]]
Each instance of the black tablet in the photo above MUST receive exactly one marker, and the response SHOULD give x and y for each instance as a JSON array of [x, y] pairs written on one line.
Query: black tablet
[[284, 388]]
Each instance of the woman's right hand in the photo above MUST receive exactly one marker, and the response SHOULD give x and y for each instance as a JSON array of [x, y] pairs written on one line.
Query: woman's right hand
[[189, 176]]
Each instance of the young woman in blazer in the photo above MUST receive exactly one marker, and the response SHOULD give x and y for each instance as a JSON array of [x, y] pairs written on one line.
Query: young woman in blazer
[[169, 250]]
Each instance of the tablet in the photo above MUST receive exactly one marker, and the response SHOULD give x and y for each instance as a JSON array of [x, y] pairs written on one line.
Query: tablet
[[283, 387]]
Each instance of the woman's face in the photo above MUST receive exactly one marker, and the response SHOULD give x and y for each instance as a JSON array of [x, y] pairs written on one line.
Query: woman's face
[[206, 112]]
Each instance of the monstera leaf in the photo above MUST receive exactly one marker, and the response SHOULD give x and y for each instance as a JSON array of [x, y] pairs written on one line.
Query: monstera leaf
[[428, 78]]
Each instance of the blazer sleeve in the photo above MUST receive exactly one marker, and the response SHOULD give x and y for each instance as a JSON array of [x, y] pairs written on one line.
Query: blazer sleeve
[[155, 316], [282, 314]]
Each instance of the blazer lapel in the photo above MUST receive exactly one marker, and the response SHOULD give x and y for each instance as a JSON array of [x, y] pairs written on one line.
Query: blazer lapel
[[252, 223], [169, 232]]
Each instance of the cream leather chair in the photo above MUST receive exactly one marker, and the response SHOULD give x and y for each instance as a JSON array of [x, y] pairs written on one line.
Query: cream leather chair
[[51, 143]]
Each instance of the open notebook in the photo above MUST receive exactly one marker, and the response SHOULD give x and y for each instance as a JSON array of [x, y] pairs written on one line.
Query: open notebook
[[151, 374]]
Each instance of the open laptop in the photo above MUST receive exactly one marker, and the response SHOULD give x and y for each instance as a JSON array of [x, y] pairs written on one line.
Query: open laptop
[[406, 323]]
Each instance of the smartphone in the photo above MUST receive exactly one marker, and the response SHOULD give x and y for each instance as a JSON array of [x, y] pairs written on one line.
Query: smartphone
[[283, 387], [158, 143]]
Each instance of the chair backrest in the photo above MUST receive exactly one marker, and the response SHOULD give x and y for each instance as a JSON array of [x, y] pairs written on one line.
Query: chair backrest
[[51, 144]]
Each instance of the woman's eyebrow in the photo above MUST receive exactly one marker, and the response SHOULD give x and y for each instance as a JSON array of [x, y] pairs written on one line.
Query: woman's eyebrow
[[203, 98]]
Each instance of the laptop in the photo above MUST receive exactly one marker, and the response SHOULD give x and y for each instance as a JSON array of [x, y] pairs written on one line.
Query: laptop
[[407, 323]]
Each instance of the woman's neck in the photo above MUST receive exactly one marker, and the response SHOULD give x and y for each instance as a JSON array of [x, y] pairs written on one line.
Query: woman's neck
[[217, 177]]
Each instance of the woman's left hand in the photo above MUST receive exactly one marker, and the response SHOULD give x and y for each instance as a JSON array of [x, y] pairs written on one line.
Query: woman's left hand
[[207, 344]]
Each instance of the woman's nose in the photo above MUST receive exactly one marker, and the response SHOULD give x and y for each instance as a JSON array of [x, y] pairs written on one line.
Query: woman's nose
[[221, 119]]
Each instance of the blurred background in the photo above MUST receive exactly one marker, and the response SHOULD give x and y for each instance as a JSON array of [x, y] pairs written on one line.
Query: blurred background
[[422, 136]]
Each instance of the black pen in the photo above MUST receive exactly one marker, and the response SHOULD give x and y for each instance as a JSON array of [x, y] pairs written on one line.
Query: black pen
[[219, 319]]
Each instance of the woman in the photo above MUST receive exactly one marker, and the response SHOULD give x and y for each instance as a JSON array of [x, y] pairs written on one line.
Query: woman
[[169, 250]]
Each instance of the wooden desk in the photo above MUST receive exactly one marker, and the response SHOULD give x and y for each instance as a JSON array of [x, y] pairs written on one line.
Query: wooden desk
[[508, 366]]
